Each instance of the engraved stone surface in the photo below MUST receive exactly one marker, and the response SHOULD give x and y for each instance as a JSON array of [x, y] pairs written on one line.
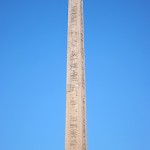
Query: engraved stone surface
[[76, 136]]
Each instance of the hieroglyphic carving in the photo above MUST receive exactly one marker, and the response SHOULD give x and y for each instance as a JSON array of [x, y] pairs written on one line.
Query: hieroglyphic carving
[[73, 73], [76, 79], [73, 123]]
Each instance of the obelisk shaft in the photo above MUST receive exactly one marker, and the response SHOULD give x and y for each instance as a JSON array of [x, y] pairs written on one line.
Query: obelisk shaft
[[76, 137]]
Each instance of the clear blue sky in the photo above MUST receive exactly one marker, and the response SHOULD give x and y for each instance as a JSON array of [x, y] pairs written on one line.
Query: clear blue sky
[[33, 43]]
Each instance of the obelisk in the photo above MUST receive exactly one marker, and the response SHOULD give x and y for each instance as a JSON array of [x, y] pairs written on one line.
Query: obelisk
[[76, 134]]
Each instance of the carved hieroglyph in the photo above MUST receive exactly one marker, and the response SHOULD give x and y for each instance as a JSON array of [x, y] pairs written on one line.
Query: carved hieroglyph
[[75, 94]]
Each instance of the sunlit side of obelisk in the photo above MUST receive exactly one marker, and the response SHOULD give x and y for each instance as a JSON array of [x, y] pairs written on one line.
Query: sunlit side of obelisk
[[76, 133]]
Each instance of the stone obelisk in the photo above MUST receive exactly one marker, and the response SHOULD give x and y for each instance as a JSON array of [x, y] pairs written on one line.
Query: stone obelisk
[[76, 134]]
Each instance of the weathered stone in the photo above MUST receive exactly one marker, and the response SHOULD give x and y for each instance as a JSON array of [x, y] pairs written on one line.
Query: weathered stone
[[76, 136]]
